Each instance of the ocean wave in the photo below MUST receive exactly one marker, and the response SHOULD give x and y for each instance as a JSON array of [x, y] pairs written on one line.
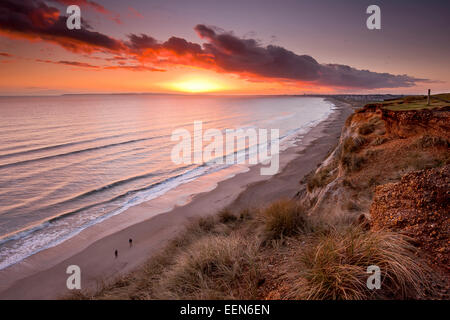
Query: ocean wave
[[12, 164], [53, 230], [132, 197]]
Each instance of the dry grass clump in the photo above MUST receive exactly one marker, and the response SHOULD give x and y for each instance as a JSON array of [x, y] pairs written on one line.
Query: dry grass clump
[[349, 160], [226, 216], [427, 141], [379, 141], [333, 265], [372, 125], [245, 214], [141, 284], [317, 179], [284, 218], [353, 162], [367, 128], [214, 267], [320, 178], [202, 224], [213, 260], [354, 144]]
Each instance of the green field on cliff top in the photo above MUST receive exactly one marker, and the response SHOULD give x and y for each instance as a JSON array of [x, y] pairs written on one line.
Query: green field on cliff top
[[417, 102]]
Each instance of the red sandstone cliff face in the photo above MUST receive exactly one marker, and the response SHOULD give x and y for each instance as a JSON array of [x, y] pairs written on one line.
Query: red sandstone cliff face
[[377, 146], [402, 124], [418, 205], [407, 123]]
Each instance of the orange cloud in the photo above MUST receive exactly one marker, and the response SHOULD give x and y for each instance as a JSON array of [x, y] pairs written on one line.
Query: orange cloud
[[70, 63], [91, 66], [223, 51], [134, 13]]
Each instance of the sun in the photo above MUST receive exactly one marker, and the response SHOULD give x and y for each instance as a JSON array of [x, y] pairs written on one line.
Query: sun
[[196, 85]]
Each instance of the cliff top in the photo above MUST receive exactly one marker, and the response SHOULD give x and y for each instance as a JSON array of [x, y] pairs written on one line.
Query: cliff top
[[417, 102]]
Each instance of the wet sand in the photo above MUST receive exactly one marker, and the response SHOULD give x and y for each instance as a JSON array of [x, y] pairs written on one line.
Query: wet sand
[[43, 275]]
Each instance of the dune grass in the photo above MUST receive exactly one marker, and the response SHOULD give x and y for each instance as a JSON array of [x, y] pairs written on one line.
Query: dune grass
[[226, 216], [366, 128], [333, 265], [219, 257], [284, 218], [217, 267]]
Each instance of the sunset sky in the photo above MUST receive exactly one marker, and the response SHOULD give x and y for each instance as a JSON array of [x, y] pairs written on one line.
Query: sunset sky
[[226, 47]]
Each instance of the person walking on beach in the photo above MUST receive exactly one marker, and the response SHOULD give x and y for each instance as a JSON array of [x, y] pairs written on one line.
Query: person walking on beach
[[130, 241], [116, 253]]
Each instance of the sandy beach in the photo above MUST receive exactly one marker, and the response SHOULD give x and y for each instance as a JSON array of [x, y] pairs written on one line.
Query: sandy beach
[[43, 275]]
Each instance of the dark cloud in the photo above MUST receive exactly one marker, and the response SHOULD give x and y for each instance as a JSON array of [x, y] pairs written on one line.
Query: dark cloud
[[179, 46], [134, 68], [141, 42], [247, 55], [35, 19], [91, 66], [70, 63], [78, 64], [234, 54], [345, 76], [222, 51]]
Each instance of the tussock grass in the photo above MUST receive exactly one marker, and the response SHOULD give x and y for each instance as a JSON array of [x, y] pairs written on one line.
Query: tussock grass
[[367, 128], [213, 260], [245, 214], [317, 179], [226, 216], [202, 224], [141, 284], [349, 160], [427, 141], [215, 267], [284, 218], [354, 144], [379, 141], [353, 162], [332, 265], [320, 178]]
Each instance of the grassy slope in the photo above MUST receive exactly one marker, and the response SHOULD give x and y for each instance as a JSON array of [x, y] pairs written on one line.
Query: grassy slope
[[267, 255], [418, 102]]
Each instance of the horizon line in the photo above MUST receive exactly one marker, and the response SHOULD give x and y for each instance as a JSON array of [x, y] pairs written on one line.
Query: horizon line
[[210, 94]]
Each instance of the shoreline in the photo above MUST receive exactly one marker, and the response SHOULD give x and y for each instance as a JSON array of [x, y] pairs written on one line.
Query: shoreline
[[43, 275]]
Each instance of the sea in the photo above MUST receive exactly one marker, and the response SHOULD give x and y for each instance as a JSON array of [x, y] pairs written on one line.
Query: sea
[[69, 162]]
